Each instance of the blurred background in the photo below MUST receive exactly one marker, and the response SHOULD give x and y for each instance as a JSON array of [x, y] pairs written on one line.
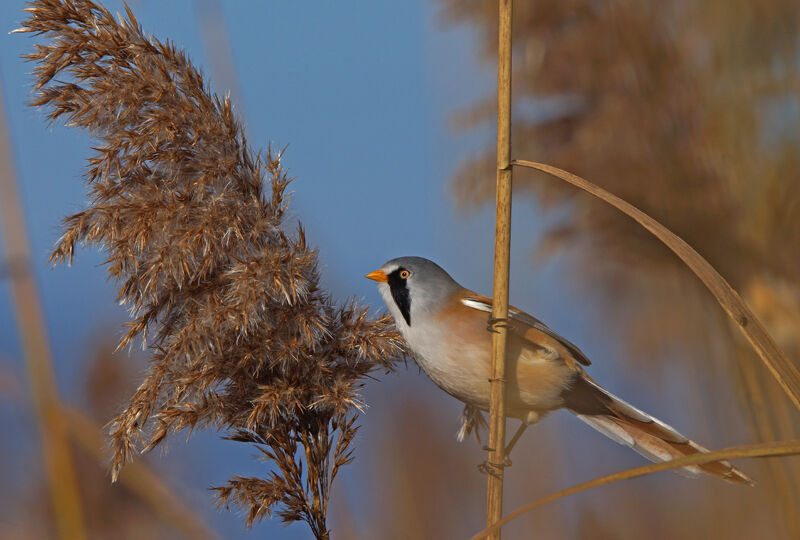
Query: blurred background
[[689, 110]]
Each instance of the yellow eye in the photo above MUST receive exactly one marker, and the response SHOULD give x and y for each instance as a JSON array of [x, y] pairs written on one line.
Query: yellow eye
[[404, 274]]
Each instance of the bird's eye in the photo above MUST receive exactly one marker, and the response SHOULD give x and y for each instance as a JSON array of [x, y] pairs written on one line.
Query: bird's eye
[[404, 274]]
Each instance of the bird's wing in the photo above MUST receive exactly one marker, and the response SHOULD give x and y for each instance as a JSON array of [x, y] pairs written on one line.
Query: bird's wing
[[532, 330]]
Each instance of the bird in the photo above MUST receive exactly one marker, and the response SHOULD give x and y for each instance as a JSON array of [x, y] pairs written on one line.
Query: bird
[[445, 326]]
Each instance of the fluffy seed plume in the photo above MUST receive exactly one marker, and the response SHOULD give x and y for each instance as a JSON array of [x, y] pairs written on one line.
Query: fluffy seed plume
[[225, 295]]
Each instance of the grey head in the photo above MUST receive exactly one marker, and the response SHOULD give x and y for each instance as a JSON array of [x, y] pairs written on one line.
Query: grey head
[[413, 288]]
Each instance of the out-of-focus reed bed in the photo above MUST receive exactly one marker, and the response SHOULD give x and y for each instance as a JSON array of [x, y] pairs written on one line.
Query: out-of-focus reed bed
[[688, 111], [109, 380], [421, 483], [242, 337], [142, 506]]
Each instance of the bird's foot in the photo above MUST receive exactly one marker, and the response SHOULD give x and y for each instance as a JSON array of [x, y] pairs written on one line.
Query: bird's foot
[[495, 469], [494, 322]]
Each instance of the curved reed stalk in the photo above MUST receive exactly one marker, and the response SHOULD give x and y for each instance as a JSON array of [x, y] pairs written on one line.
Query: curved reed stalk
[[781, 368], [771, 449]]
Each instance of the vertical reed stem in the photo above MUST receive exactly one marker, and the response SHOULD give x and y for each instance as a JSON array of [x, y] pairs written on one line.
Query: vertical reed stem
[[61, 476], [502, 245]]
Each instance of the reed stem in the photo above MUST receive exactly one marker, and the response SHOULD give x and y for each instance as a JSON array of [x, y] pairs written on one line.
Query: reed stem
[[497, 420]]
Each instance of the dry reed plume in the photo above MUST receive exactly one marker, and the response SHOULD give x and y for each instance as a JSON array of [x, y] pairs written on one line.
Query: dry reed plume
[[242, 337]]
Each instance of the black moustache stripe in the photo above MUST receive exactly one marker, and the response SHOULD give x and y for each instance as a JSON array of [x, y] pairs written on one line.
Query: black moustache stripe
[[400, 293]]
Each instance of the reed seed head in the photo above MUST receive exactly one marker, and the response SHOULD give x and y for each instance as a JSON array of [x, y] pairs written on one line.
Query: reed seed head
[[224, 293]]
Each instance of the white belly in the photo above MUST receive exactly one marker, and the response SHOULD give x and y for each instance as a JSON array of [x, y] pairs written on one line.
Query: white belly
[[463, 371], [460, 371]]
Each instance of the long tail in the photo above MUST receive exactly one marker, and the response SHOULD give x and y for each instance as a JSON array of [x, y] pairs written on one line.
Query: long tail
[[652, 438]]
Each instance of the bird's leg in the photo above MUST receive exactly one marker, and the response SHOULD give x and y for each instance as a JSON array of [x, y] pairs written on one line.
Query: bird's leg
[[514, 440], [531, 418], [491, 468]]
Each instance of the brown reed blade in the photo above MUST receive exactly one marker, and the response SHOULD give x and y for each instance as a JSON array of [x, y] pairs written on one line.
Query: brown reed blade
[[58, 463], [771, 449], [781, 368], [243, 338], [502, 251]]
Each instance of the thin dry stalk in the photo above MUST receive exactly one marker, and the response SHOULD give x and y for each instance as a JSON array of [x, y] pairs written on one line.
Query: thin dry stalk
[[502, 250], [58, 463], [243, 338], [778, 364], [771, 449]]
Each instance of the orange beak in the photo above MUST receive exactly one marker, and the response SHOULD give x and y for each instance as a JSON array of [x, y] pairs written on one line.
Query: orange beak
[[377, 275]]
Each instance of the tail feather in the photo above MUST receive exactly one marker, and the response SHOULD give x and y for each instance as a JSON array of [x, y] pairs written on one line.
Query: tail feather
[[647, 435]]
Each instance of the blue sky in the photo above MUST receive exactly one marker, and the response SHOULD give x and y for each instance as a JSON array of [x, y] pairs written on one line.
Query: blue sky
[[362, 94]]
